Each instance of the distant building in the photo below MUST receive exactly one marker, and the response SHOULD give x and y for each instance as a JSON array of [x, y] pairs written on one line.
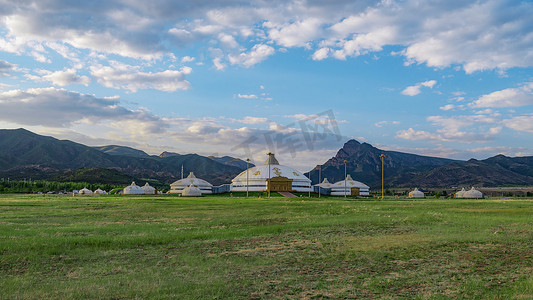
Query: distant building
[[85, 191], [416, 194], [191, 191], [282, 178], [133, 189], [350, 187], [100, 192], [149, 190], [178, 186]]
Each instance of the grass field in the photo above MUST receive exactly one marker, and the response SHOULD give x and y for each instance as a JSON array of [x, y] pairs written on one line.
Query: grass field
[[215, 247]]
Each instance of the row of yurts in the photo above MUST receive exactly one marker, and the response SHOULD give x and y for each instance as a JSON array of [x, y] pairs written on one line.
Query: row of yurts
[[282, 178], [255, 179]]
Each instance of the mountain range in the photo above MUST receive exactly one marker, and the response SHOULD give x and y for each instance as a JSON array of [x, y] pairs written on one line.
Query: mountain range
[[363, 163], [24, 154]]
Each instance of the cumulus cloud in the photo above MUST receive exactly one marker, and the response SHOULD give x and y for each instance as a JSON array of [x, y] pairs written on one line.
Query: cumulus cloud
[[520, 123], [61, 78], [511, 97], [415, 89], [384, 123], [41, 107], [465, 129], [257, 54], [123, 76]]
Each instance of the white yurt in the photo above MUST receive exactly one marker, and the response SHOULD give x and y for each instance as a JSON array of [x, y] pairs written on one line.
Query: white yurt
[[148, 190], [191, 191], [178, 186], [282, 178], [85, 191], [416, 193], [460, 194], [133, 189], [473, 194], [337, 189], [325, 184], [100, 192]]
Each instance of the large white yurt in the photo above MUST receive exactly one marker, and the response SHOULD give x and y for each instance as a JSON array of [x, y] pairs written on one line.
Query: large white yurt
[[460, 194], [148, 190], [133, 189], [337, 189], [416, 193], [178, 186], [85, 191], [100, 192], [191, 191], [473, 194], [282, 178]]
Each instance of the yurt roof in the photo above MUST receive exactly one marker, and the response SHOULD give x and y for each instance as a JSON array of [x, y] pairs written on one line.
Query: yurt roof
[[350, 183], [261, 173], [191, 190], [191, 179]]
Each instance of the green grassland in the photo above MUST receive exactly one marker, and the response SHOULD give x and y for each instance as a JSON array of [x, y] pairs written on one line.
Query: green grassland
[[223, 247]]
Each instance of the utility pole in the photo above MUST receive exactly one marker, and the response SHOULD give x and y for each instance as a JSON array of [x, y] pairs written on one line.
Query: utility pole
[[345, 161], [382, 177]]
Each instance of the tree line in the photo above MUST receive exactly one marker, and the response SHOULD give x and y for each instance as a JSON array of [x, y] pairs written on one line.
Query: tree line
[[44, 186]]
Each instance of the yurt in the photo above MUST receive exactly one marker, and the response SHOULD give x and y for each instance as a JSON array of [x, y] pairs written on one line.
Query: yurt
[[337, 189], [100, 192], [178, 186], [460, 194], [85, 191], [191, 191], [133, 189], [148, 190], [325, 184], [282, 178], [416, 194], [473, 194]]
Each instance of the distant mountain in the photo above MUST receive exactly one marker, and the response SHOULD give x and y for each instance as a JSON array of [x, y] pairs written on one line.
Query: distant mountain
[[122, 150], [364, 164], [410, 170], [230, 161], [95, 175], [24, 154], [167, 154]]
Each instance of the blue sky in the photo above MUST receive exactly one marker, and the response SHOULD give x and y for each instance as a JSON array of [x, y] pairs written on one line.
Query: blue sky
[[299, 78]]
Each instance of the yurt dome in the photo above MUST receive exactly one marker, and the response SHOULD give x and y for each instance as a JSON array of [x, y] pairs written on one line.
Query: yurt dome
[[133, 189], [325, 184], [100, 191], [85, 191], [337, 189], [473, 194], [416, 194], [191, 191], [148, 190], [178, 186], [460, 194], [283, 178]]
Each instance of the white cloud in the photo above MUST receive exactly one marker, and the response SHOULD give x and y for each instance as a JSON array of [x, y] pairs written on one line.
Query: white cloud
[[257, 54], [520, 123], [411, 90], [415, 89], [511, 97], [447, 107], [6, 68], [295, 34], [253, 120], [321, 54], [247, 96], [61, 78], [122, 76], [187, 59], [464, 129], [61, 108], [384, 123]]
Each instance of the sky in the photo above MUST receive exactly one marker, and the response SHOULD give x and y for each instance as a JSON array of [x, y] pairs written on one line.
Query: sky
[[448, 78]]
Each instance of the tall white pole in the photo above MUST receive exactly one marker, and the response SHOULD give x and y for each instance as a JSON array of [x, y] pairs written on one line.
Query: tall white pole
[[247, 161], [319, 179], [345, 178]]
